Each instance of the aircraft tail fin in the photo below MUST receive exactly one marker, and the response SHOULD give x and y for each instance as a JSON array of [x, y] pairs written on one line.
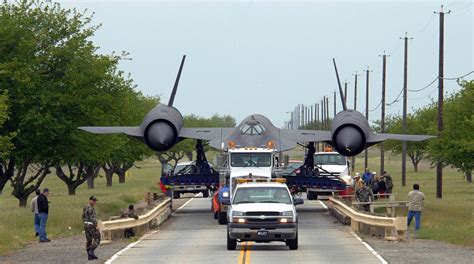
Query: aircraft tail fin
[[175, 87]]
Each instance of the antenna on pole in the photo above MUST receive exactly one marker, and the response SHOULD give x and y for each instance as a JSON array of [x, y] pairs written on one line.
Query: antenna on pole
[[175, 87], [344, 107]]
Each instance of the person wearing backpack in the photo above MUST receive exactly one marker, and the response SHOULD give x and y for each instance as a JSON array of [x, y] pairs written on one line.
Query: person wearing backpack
[[388, 182]]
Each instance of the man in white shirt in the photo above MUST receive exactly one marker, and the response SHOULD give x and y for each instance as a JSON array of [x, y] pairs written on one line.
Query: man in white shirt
[[34, 209], [415, 205]]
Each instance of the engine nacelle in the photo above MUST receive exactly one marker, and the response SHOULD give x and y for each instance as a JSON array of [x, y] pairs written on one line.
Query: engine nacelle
[[349, 133], [161, 127]]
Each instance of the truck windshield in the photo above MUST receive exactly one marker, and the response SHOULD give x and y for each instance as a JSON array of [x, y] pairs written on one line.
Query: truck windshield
[[262, 195], [329, 159], [251, 159]]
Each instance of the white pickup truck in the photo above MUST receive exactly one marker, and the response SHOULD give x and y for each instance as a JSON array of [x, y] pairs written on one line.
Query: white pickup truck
[[262, 212]]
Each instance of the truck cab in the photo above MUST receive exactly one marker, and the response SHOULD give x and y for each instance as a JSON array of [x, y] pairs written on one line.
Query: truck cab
[[262, 211], [242, 163], [330, 165]]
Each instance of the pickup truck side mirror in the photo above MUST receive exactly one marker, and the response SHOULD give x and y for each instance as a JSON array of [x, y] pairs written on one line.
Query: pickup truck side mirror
[[297, 201]]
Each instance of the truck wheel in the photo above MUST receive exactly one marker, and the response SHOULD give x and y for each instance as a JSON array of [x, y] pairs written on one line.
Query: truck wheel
[[216, 215], [222, 220], [312, 196], [293, 243], [231, 243], [176, 195], [205, 193]]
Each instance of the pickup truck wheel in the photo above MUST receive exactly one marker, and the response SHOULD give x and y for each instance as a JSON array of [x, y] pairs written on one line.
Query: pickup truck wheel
[[292, 243], [176, 195], [222, 219], [216, 215], [205, 193], [231, 243]]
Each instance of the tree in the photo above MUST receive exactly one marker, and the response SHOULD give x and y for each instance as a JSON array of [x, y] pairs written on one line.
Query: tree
[[5, 144], [419, 123], [455, 147], [56, 81]]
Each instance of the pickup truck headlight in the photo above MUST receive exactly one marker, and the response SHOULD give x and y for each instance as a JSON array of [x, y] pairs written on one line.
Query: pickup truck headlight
[[237, 213], [287, 213], [225, 194]]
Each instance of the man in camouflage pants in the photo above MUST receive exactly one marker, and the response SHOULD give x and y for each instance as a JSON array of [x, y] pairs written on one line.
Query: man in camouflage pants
[[90, 227]]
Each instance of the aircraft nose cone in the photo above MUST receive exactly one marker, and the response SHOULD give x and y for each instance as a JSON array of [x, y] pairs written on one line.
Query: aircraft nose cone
[[160, 136], [349, 141]]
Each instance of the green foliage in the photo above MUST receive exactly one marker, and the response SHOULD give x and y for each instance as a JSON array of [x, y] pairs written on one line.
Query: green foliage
[[456, 145], [5, 140], [419, 123], [188, 146]]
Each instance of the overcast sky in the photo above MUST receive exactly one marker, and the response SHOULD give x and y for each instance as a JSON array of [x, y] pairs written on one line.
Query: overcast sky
[[246, 57]]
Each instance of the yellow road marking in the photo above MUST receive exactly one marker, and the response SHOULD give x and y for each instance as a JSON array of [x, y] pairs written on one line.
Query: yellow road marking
[[244, 255], [247, 256]]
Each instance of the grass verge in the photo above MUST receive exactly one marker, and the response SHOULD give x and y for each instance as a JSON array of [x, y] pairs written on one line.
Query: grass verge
[[65, 219]]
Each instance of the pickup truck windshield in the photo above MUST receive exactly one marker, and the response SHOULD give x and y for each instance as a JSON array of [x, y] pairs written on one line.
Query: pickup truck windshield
[[251, 160], [262, 195], [329, 159]]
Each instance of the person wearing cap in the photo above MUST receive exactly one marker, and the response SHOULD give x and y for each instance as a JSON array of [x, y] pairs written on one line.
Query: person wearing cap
[[90, 227], [43, 211], [358, 183], [367, 176]]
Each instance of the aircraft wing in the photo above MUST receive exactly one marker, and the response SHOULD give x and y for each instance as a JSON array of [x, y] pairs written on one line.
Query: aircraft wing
[[130, 131], [206, 133], [374, 138], [299, 135]]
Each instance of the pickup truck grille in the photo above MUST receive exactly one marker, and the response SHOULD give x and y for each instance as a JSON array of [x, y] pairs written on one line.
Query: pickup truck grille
[[262, 213], [263, 221]]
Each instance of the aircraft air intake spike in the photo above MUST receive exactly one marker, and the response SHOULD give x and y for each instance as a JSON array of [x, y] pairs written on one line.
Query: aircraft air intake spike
[[175, 87]]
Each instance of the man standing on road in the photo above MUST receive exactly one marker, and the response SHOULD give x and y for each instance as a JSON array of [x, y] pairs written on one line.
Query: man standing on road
[[34, 209], [415, 205], [90, 227], [43, 211]]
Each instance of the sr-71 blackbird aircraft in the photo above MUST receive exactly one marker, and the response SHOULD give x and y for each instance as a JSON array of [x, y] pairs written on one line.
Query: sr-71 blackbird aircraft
[[163, 127]]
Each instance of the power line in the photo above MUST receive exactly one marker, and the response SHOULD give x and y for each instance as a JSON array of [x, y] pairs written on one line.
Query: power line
[[460, 77], [425, 87]]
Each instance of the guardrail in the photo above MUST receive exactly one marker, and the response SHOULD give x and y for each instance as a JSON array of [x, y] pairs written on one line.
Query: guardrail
[[154, 217], [394, 227]]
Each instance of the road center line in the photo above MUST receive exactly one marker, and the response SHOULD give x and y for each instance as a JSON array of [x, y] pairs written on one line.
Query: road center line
[[372, 250], [244, 255]]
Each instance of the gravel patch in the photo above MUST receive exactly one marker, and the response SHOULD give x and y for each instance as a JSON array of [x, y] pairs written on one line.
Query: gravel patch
[[421, 251]]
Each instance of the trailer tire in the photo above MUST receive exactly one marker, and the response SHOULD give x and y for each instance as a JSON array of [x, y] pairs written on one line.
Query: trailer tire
[[205, 193], [176, 195], [222, 219], [216, 215], [312, 196]]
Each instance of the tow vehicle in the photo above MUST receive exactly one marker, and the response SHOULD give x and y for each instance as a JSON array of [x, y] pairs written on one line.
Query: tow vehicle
[[262, 210], [242, 162]]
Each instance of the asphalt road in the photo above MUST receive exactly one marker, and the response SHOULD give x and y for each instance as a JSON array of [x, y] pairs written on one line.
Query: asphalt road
[[193, 236]]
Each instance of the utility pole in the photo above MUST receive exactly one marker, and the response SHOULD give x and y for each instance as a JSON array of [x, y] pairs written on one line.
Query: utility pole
[[366, 111], [439, 165], [316, 122], [302, 116], [335, 103], [345, 92], [322, 114], [353, 159], [327, 113], [355, 91], [382, 121], [404, 118]]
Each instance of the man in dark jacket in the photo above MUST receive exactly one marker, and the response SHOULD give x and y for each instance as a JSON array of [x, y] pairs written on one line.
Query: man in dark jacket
[[43, 210]]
